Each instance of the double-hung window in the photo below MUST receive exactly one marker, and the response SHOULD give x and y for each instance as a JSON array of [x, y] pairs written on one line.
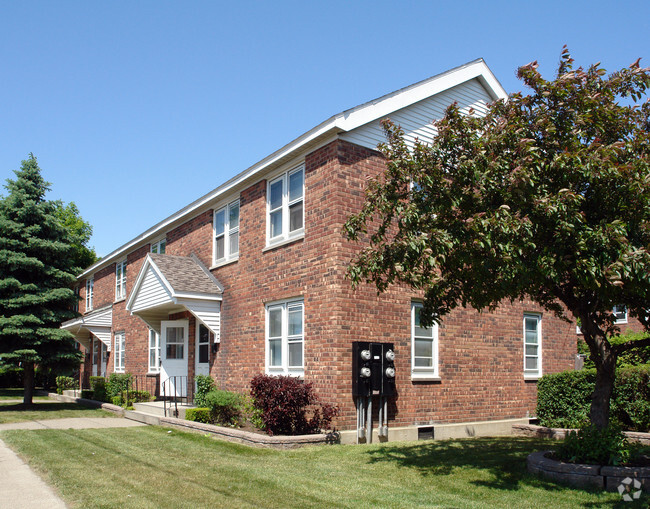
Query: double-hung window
[[159, 246], [90, 287], [285, 338], [154, 351], [620, 312], [424, 347], [120, 280], [119, 352], [532, 345], [226, 232], [285, 206]]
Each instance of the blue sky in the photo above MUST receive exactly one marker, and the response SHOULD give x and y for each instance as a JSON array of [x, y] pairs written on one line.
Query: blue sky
[[134, 109]]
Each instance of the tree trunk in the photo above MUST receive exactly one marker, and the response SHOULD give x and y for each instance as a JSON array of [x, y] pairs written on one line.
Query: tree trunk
[[28, 382], [600, 400]]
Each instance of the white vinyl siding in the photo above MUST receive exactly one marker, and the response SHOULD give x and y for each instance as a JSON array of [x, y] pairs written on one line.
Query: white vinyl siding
[[120, 280], [532, 345], [118, 352], [416, 119], [285, 206], [90, 289], [424, 347], [285, 338], [226, 233], [151, 293]]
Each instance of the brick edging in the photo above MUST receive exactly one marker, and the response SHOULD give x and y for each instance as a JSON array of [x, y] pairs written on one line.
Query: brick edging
[[230, 434], [531, 430], [586, 476]]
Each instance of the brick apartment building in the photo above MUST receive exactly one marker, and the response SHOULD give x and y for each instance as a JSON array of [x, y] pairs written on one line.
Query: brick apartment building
[[250, 279]]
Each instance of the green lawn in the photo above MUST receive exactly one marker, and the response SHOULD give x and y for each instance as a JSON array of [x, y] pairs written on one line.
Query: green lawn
[[39, 410], [16, 394], [152, 467]]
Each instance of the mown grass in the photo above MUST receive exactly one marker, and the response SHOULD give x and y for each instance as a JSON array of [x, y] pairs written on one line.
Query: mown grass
[[40, 410], [16, 394], [153, 467]]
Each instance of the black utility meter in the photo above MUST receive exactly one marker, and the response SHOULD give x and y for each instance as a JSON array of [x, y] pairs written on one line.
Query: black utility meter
[[373, 369]]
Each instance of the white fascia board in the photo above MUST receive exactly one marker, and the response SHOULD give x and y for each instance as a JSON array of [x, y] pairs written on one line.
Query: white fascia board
[[321, 135], [180, 296]]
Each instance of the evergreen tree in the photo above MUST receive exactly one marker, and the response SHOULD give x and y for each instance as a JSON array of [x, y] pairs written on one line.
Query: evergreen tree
[[36, 279]]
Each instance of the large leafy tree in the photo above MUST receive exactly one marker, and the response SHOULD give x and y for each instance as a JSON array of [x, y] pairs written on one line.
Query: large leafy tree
[[36, 278], [546, 197], [79, 233]]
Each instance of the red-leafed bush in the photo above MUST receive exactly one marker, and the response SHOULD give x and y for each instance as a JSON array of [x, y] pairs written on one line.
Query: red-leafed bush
[[284, 402]]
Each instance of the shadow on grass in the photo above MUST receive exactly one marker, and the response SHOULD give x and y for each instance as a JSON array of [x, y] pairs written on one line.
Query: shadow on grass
[[503, 458], [39, 406]]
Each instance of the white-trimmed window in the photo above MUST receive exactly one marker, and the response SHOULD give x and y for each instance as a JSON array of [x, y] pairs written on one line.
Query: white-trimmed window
[[119, 352], [285, 206], [285, 338], [90, 287], [424, 347], [620, 312], [154, 351], [120, 280], [532, 345], [226, 232], [159, 246]]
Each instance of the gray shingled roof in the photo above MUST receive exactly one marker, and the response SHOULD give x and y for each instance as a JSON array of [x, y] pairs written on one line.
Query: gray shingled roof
[[186, 274]]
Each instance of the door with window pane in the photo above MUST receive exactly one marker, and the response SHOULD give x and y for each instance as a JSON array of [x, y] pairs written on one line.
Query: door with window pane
[[173, 357]]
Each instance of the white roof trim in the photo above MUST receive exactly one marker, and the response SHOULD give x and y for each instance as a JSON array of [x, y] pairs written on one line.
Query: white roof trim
[[342, 122]]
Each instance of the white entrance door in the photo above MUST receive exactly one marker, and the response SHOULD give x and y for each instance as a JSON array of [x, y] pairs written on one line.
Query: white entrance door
[[173, 357], [202, 350]]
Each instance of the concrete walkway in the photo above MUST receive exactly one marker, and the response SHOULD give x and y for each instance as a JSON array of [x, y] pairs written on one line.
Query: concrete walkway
[[20, 487]]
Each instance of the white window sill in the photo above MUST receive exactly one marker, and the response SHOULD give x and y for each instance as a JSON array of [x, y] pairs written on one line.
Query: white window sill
[[422, 377], [532, 376], [119, 300], [273, 244], [221, 263], [283, 372]]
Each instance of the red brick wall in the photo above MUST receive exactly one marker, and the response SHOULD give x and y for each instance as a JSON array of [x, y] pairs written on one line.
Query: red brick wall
[[481, 355]]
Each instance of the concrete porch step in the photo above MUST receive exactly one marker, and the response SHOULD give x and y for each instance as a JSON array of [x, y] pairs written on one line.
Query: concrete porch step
[[157, 408]]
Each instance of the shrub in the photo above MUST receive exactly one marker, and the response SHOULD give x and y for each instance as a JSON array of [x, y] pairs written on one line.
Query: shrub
[[87, 394], [204, 384], [253, 413], [198, 415], [225, 407], [284, 402], [64, 383], [593, 446], [98, 386], [564, 399], [126, 399], [635, 357], [117, 384]]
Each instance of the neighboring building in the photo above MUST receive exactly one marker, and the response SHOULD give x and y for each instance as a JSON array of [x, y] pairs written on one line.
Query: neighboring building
[[250, 279]]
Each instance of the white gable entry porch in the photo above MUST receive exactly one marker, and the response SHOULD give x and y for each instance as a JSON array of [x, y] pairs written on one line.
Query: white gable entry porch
[[167, 285]]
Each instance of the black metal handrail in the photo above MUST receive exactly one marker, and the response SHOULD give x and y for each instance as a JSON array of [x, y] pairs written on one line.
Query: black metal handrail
[[177, 390], [148, 383]]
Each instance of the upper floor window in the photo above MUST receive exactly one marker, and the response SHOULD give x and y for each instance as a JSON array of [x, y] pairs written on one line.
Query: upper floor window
[[120, 280], [424, 346], [532, 345], [226, 232], [285, 196], [159, 246], [90, 285], [75, 306], [620, 312], [285, 338]]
